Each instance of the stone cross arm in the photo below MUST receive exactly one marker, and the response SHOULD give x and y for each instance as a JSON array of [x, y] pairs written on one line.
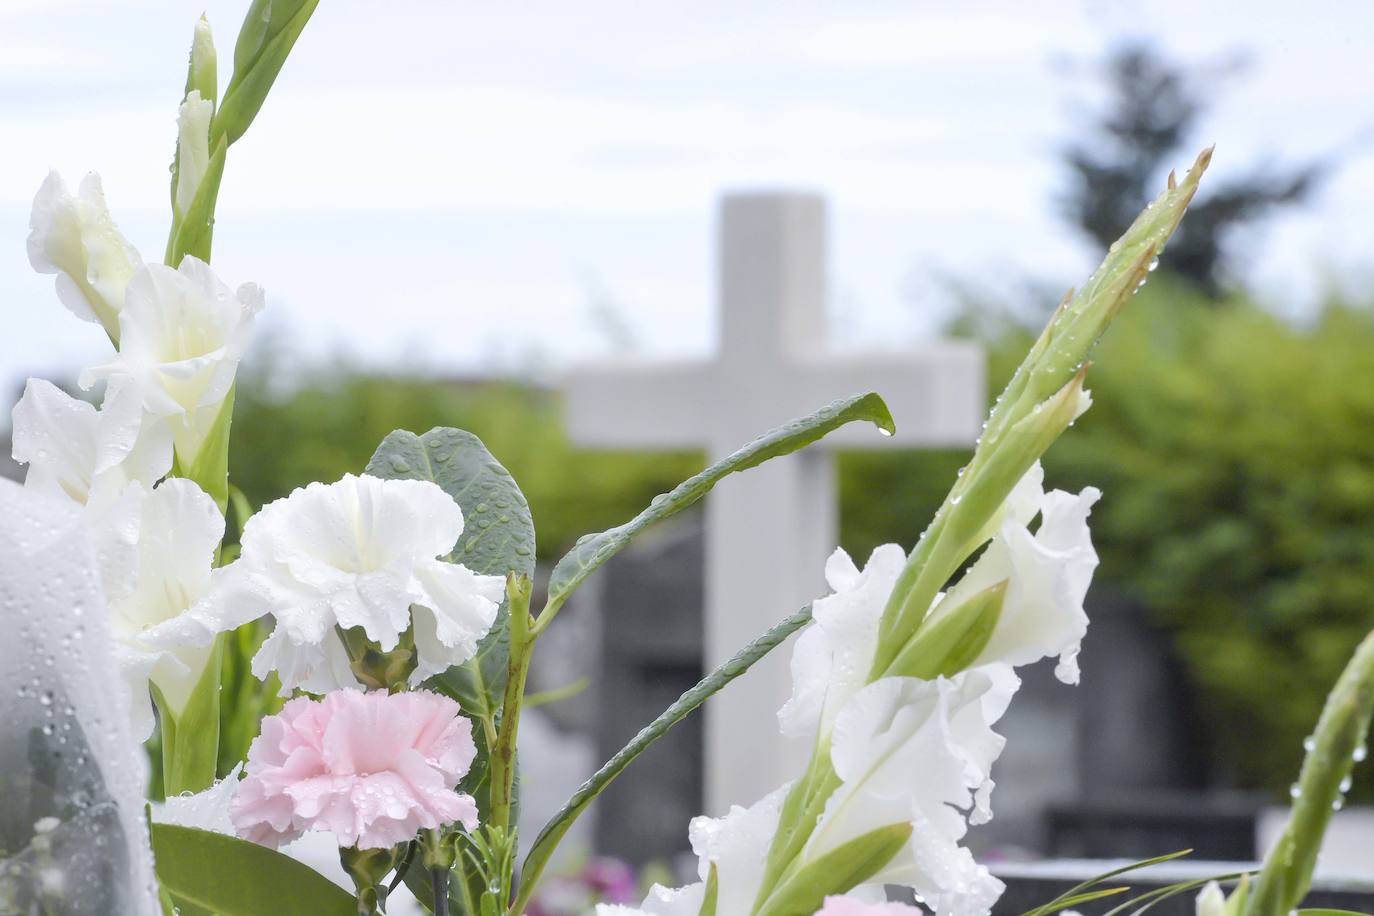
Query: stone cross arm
[[935, 393]]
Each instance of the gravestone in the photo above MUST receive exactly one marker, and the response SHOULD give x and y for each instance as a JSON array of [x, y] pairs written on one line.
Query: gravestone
[[647, 604], [1106, 768], [769, 531]]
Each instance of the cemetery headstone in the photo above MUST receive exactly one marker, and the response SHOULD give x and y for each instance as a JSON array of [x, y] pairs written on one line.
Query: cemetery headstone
[[773, 365]]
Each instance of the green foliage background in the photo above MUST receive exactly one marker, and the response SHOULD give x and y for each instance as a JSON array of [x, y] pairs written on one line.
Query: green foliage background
[[1236, 456], [1235, 451]]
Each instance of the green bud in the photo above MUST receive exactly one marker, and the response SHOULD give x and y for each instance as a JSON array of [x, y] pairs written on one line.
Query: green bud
[[368, 868], [951, 639], [375, 668], [269, 31], [1082, 317], [1333, 749], [190, 728], [201, 73], [838, 871]]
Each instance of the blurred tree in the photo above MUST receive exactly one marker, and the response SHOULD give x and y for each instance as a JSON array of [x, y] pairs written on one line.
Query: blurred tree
[[1237, 466], [1153, 110]]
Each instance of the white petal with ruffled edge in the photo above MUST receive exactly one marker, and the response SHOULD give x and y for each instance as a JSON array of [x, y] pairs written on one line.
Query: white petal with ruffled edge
[[87, 455], [913, 751], [182, 334], [152, 608], [357, 553], [1048, 575], [833, 656]]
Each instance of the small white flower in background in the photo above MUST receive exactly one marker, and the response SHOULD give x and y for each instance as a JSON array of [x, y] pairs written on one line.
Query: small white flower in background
[[73, 236], [193, 145], [832, 657], [1211, 901], [737, 845], [175, 531], [1048, 575], [182, 334], [662, 901], [88, 455], [357, 553], [920, 752]]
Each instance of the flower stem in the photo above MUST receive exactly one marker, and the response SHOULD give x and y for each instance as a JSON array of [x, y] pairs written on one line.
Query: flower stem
[[439, 882], [522, 638], [1332, 750]]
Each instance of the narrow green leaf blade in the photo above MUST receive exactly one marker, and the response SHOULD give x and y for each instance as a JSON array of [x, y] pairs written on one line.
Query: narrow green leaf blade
[[1107, 876], [210, 872], [593, 550], [1064, 903], [554, 830]]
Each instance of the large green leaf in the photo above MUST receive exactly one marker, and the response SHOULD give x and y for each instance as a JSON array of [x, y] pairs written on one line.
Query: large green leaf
[[207, 872], [498, 534], [593, 550], [554, 830]]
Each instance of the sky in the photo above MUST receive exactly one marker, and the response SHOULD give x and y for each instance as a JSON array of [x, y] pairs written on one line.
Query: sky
[[460, 186]]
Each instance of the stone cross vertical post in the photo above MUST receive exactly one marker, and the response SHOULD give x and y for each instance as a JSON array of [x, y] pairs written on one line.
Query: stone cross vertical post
[[770, 529]]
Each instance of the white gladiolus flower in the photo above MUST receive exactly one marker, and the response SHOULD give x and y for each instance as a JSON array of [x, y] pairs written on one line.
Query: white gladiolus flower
[[193, 145], [73, 236], [170, 548], [357, 553], [1048, 575], [833, 656], [182, 334], [920, 752], [88, 455]]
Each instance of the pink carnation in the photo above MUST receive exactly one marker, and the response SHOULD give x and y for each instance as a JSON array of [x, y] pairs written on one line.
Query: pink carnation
[[848, 906], [371, 768]]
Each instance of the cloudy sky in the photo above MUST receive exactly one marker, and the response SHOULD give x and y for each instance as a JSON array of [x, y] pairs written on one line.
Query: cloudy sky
[[461, 185]]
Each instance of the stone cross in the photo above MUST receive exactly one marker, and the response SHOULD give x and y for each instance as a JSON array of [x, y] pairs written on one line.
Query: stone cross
[[770, 529]]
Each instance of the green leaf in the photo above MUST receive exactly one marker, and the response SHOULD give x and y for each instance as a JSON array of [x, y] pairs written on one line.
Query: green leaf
[[269, 32], [1147, 901], [1063, 903], [593, 550], [498, 533], [1106, 876], [837, 872], [207, 872], [554, 830]]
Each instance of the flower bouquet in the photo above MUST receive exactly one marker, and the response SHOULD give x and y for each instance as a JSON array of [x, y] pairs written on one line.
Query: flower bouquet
[[391, 611]]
